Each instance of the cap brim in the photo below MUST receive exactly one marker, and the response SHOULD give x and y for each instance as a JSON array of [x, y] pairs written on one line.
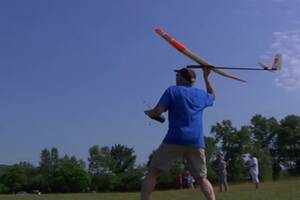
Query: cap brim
[[176, 70]]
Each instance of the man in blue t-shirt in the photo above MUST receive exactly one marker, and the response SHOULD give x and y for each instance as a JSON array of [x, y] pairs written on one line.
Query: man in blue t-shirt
[[185, 138]]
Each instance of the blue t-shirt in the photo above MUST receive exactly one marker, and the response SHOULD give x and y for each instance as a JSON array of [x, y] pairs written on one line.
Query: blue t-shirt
[[185, 105]]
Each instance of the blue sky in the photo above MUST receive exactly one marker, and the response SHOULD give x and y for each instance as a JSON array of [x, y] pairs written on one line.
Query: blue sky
[[74, 74]]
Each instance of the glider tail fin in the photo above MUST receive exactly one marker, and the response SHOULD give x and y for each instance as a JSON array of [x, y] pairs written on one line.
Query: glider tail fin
[[277, 64]]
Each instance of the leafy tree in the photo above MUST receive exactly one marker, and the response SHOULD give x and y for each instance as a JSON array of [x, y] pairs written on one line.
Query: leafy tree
[[70, 177], [3, 189], [45, 170], [54, 156], [122, 159], [132, 178], [264, 130], [14, 179], [103, 182], [111, 167], [3, 168], [265, 164], [99, 160], [31, 174], [45, 162], [21, 176], [57, 174], [211, 148], [288, 143]]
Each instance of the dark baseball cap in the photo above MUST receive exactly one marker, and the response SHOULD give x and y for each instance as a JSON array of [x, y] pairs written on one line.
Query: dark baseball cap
[[187, 74]]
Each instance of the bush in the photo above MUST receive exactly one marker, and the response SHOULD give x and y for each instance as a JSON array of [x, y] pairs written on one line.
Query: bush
[[3, 189], [103, 182]]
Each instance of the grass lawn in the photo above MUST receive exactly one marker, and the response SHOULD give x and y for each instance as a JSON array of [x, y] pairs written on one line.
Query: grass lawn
[[281, 190]]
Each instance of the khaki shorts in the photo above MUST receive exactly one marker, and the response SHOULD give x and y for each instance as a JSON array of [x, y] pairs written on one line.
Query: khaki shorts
[[166, 154]]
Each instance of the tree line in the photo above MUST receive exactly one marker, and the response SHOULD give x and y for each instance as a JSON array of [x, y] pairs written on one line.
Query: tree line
[[276, 144]]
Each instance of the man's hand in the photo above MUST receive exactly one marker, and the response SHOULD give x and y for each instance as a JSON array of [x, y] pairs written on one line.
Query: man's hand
[[206, 71], [155, 114], [148, 113]]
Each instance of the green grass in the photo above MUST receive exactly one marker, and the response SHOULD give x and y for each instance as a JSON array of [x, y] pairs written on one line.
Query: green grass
[[281, 190]]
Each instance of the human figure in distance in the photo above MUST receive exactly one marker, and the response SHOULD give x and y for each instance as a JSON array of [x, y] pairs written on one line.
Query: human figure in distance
[[190, 180], [222, 172], [254, 169], [180, 181]]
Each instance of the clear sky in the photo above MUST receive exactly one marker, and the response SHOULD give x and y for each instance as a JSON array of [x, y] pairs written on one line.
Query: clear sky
[[75, 73]]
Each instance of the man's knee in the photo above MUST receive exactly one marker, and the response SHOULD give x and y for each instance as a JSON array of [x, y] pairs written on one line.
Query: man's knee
[[202, 180]]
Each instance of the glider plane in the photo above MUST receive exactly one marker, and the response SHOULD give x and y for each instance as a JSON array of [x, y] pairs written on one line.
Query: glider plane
[[203, 63]]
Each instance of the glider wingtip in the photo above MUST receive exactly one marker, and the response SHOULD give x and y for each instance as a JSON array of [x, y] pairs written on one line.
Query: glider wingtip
[[158, 30], [241, 80]]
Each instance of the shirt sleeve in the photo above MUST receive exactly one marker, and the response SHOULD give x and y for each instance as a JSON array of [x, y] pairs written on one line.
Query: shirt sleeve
[[164, 100], [209, 99]]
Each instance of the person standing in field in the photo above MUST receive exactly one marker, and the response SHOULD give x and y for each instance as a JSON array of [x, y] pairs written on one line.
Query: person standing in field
[[254, 169], [180, 181], [222, 171], [190, 180], [185, 105]]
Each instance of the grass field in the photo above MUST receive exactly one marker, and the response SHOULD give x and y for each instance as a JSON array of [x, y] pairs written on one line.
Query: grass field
[[281, 190]]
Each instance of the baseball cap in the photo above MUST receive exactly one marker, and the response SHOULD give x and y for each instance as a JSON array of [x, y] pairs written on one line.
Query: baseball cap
[[187, 74]]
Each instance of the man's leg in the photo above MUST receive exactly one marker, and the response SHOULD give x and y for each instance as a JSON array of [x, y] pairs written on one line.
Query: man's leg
[[207, 188], [225, 183], [197, 164], [256, 182], [220, 184], [255, 179], [162, 160], [149, 183]]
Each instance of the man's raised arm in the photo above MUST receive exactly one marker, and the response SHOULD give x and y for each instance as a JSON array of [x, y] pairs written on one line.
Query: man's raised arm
[[209, 89]]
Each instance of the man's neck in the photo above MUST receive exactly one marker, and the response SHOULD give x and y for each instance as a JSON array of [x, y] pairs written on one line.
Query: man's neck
[[185, 84]]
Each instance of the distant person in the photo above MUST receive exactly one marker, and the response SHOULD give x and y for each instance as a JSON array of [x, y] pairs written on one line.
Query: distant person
[[180, 181], [185, 104], [254, 169], [222, 172], [190, 180]]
